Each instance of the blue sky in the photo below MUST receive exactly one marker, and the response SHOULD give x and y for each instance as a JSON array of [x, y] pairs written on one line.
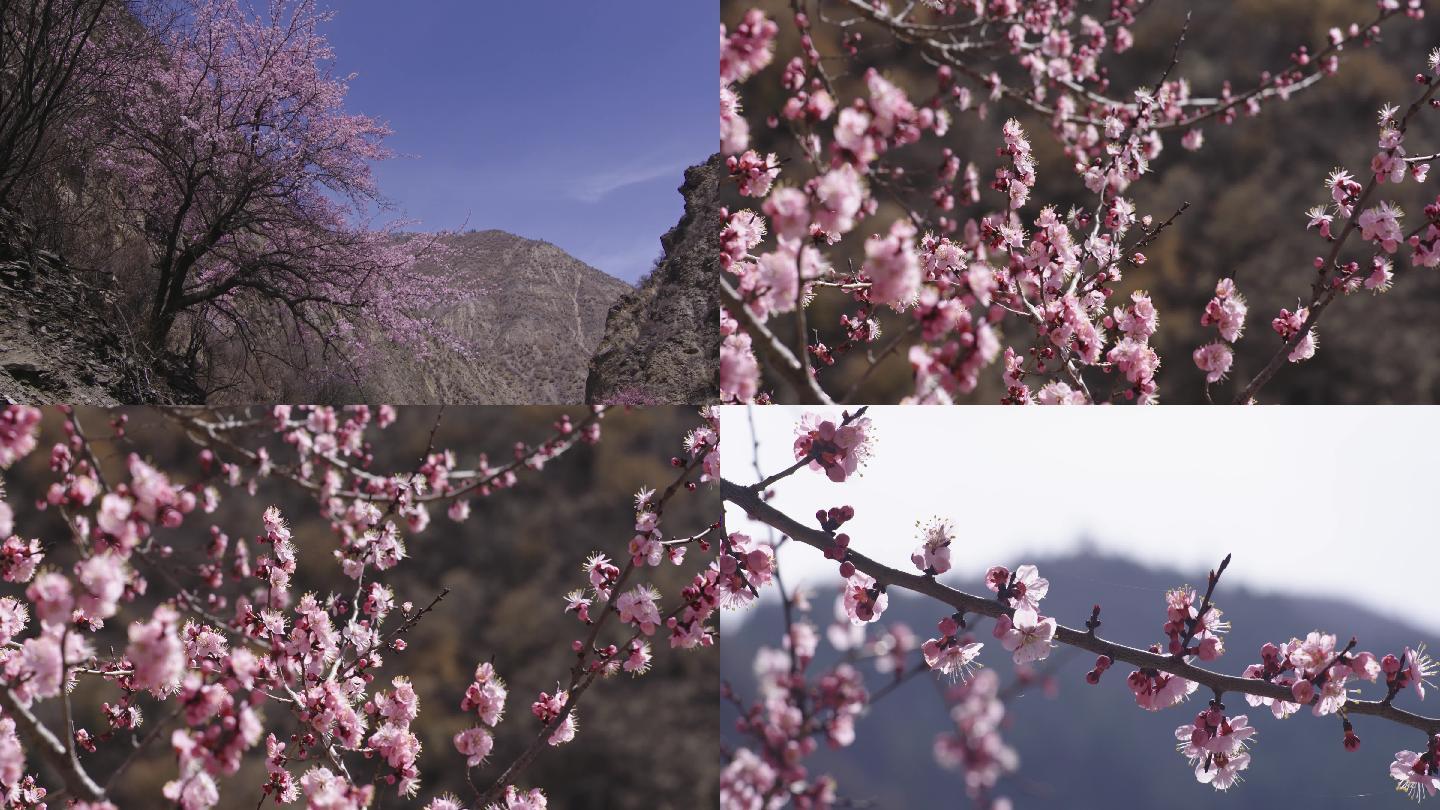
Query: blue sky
[[569, 121], [1175, 487]]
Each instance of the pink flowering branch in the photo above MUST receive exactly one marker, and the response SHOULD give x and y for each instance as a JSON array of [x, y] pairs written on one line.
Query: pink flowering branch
[[584, 673], [228, 635], [1314, 672], [1333, 278], [887, 577], [214, 433], [973, 281]]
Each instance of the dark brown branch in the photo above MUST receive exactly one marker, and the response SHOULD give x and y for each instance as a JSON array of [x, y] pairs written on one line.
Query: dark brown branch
[[886, 577]]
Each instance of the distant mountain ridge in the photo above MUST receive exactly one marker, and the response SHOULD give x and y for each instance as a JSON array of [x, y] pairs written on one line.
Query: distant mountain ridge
[[535, 318]]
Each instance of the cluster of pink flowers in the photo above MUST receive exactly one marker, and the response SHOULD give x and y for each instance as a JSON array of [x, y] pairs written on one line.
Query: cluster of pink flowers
[[1041, 282], [1216, 746], [949, 653], [1418, 775], [19, 431], [838, 450], [976, 746], [1226, 312], [227, 631]]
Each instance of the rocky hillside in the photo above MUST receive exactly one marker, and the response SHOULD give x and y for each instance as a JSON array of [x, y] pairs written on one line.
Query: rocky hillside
[[662, 341], [63, 339], [536, 319]]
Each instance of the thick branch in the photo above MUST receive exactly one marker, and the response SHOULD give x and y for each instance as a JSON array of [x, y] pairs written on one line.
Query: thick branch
[[886, 577]]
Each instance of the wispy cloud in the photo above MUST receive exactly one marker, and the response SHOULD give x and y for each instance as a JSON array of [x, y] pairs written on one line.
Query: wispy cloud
[[600, 185]]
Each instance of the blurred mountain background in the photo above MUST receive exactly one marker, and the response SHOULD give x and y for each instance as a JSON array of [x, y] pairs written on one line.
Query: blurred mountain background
[[1248, 189], [1090, 747], [643, 743]]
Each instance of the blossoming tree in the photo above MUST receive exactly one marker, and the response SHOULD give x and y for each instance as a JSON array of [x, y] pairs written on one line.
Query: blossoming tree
[[802, 706], [254, 184], [983, 277], [198, 636], [45, 69]]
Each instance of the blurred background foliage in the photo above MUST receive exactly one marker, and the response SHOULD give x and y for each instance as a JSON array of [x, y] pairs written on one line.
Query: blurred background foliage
[[1248, 189], [644, 742]]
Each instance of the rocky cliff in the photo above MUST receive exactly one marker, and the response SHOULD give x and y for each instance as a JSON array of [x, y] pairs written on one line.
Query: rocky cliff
[[64, 338], [662, 340]]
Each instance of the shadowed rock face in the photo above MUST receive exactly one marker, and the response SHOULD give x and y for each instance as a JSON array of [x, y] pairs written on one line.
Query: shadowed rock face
[[535, 320], [662, 341], [63, 337]]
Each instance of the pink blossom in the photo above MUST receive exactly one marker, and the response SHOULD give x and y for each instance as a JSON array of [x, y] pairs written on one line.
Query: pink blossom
[[156, 653], [893, 267], [863, 601], [485, 695], [13, 618], [637, 606], [475, 745], [1381, 225], [18, 558], [789, 212], [838, 195], [1415, 774], [1226, 311], [749, 48], [734, 129], [839, 450], [517, 799], [953, 658], [1028, 635], [19, 432], [739, 368], [102, 582], [1214, 359], [50, 594], [933, 555]]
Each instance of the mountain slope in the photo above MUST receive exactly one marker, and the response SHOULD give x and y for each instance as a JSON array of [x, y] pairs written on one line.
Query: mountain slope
[[535, 319], [662, 341]]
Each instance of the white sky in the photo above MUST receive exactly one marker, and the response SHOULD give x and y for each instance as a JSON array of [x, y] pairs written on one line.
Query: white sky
[[1313, 500]]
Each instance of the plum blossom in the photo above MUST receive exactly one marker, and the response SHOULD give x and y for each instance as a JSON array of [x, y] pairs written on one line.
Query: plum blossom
[[1381, 225], [156, 652], [485, 695], [949, 654], [933, 555], [1027, 635], [838, 450], [1021, 590], [1214, 359], [863, 600], [893, 267], [517, 799], [637, 606], [19, 432], [1417, 775]]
